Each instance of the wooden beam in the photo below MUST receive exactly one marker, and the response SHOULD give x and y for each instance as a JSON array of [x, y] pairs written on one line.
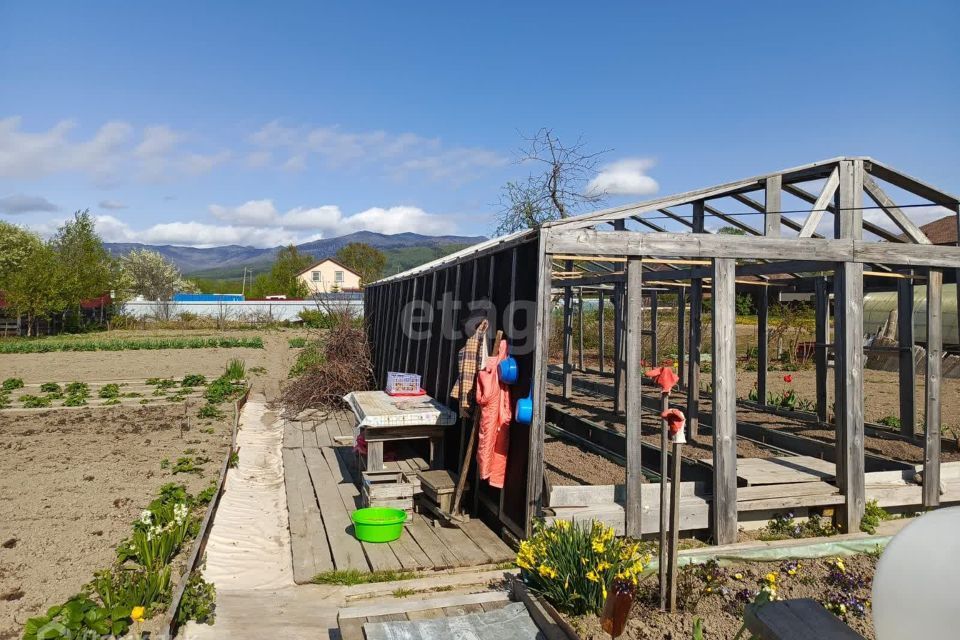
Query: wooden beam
[[681, 336], [868, 226], [685, 245], [580, 328], [894, 212], [907, 369], [634, 401], [822, 321], [724, 403], [693, 374], [932, 415], [601, 330], [763, 339], [618, 346], [848, 220], [567, 337], [732, 221], [820, 205], [772, 209], [654, 346], [534, 492], [910, 184]]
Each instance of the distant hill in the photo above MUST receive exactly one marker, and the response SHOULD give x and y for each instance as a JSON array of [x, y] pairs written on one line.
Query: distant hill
[[403, 251]]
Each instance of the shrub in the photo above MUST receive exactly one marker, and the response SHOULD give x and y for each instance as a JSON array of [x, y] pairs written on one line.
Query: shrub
[[128, 588], [78, 389], [198, 602], [873, 515], [109, 391], [236, 370], [210, 411], [35, 402], [193, 380], [572, 565], [82, 618], [316, 319], [12, 383], [50, 387], [784, 526]]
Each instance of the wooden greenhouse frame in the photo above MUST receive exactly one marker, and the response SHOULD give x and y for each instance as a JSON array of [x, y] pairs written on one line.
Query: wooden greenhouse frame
[[626, 257]]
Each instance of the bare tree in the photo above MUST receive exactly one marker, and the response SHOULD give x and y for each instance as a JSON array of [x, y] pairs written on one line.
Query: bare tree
[[556, 187]]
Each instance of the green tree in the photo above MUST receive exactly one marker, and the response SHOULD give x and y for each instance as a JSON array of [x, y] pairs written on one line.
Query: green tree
[[731, 231], [16, 245], [88, 268], [363, 259], [34, 288], [282, 279]]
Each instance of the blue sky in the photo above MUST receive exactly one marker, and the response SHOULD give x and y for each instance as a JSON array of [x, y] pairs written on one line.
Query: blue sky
[[256, 123]]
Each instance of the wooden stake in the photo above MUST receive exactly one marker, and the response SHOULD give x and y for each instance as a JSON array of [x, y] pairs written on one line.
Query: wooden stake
[[674, 524], [664, 496]]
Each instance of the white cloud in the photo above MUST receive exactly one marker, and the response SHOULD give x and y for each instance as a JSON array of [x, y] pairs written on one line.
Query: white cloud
[[397, 154], [253, 212], [20, 203], [627, 177], [116, 152], [112, 204], [326, 217]]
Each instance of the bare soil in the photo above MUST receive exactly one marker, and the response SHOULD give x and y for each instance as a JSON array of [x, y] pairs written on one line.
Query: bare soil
[[721, 615], [72, 480], [569, 464]]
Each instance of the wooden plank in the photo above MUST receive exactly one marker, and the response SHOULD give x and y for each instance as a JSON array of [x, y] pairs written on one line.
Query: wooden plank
[[932, 412], [409, 553], [567, 338], [771, 218], [346, 550], [822, 321], [763, 340], [462, 609], [894, 212], [681, 337], [541, 337], [907, 369], [495, 548], [352, 629], [634, 400], [406, 605], [693, 385], [422, 533], [601, 331], [292, 434], [468, 554], [380, 556], [580, 328], [724, 403], [820, 205], [308, 539]]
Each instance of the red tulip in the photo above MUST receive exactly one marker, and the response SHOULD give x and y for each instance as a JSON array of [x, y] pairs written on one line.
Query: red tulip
[[788, 378]]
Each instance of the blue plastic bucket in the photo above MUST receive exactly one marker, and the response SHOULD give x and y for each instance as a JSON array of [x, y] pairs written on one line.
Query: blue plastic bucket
[[524, 413], [509, 370]]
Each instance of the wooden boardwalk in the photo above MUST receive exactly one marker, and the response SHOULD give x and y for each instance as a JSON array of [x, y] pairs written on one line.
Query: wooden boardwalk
[[321, 476]]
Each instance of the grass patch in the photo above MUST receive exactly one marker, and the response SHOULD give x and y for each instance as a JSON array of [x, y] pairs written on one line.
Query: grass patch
[[400, 592], [297, 343], [311, 356], [46, 345], [350, 577]]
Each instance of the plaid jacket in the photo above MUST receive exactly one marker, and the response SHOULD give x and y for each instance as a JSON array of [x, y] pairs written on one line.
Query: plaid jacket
[[469, 360]]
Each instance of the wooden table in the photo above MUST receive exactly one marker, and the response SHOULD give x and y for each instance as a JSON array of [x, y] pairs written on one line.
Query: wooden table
[[384, 418]]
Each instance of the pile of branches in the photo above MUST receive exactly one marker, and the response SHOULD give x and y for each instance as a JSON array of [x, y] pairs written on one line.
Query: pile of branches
[[345, 366]]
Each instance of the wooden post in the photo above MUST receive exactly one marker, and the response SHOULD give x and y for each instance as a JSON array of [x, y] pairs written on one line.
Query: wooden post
[[568, 336], [724, 402], [696, 317], [771, 217], [654, 351], [664, 497], [580, 322], [634, 401], [675, 523], [600, 329], [681, 336], [848, 351], [763, 338], [822, 319], [931, 426], [693, 375], [908, 364], [618, 330], [538, 425]]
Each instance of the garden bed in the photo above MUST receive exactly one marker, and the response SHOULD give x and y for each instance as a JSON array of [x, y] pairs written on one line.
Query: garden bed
[[718, 601], [73, 482]]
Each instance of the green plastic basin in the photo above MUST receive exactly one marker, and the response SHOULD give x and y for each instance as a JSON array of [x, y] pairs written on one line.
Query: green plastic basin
[[378, 524]]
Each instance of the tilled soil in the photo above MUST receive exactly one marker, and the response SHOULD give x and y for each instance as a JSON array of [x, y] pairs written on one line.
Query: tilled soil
[[568, 464], [73, 480], [71, 484], [721, 617]]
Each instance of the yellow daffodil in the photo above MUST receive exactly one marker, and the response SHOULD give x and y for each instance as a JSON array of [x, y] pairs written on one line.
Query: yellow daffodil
[[137, 614], [738, 576], [771, 578], [547, 571], [592, 576], [598, 546]]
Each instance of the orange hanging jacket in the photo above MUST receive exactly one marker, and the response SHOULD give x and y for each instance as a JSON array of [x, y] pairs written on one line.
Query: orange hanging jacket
[[493, 401]]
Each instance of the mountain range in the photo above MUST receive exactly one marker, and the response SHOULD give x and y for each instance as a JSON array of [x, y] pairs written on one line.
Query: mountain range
[[403, 251]]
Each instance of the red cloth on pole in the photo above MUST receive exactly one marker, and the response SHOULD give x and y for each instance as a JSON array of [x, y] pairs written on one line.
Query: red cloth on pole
[[493, 401], [665, 377]]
